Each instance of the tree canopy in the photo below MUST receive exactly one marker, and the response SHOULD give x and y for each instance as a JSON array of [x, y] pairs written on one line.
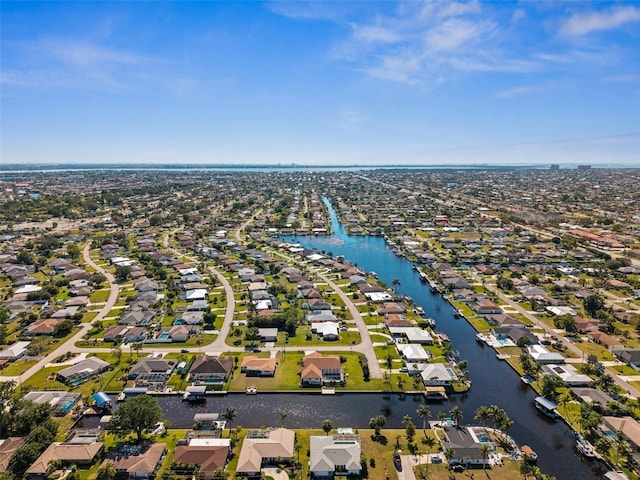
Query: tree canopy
[[137, 414]]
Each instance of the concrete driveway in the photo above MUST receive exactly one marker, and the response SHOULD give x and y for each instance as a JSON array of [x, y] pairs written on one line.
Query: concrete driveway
[[275, 473]]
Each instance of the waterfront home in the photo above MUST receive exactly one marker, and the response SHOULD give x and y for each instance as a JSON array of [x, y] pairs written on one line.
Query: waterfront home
[[391, 307], [82, 371], [258, 366], [207, 369], [598, 399], [263, 448], [66, 454], [515, 334], [486, 307], [335, 455], [318, 370], [14, 351], [208, 458], [503, 320], [151, 370], [465, 447], [437, 374], [134, 461], [397, 320], [628, 426], [543, 356], [568, 374]]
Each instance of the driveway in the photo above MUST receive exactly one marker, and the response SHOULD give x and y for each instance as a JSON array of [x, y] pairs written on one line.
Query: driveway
[[275, 473]]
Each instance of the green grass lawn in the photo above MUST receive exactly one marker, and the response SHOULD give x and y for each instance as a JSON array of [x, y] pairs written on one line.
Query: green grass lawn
[[17, 368], [99, 296]]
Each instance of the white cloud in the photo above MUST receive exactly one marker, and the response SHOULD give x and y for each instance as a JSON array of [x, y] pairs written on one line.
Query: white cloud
[[455, 33], [584, 23], [517, 91], [375, 34], [622, 78]]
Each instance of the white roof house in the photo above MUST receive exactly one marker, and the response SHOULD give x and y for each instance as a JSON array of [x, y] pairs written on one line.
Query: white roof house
[[569, 375], [197, 294], [327, 330], [338, 453], [413, 353], [15, 351], [417, 335], [541, 355], [437, 374]]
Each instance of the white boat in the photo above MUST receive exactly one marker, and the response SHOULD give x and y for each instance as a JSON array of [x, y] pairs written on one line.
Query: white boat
[[584, 447], [481, 337], [433, 286], [419, 310], [252, 390]]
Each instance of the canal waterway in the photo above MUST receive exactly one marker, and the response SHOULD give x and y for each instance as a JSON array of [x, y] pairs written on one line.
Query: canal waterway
[[494, 382]]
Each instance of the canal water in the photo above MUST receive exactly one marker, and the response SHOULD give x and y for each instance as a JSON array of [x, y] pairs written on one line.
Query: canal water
[[494, 382]]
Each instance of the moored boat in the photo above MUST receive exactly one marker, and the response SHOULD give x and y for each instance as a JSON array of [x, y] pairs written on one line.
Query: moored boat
[[481, 337], [547, 407], [252, 390], [584, 447], [529, 455]]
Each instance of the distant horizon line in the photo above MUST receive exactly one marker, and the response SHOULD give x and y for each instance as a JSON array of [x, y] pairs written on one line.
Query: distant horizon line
[[31, 167]]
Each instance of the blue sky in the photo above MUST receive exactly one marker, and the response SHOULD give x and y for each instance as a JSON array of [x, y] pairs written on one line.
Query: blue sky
[[320, 83]]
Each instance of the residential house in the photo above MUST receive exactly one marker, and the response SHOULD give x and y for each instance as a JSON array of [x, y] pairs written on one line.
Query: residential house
[[207, 369], [261, 448], [605, 339], [568, 374], [152, 371], [268, 334], [465, 447], [82, 371], [630, 356], [598, 399], [397, 320], [585, 325], [486, 307], [258, 366], [391, 307], [412, 353], [318, 304], [67, 454], [208, 458], [319, 316], [45, 326], [437, 374], [628, 426], [543, 356], [336, 455], [7, 448], [14, 351], [318, 370], [137, 462]]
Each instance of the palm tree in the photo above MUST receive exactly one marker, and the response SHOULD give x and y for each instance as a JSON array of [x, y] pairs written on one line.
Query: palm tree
[[401, 384], [395, 283], [484, 451], [448, 454], [564, 399], [456, 414], [327, 426], [107, 471], [424, 413], [494, 413], [482, 415], [441, 417], [620, 445], [230, 415], [283, 415]]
